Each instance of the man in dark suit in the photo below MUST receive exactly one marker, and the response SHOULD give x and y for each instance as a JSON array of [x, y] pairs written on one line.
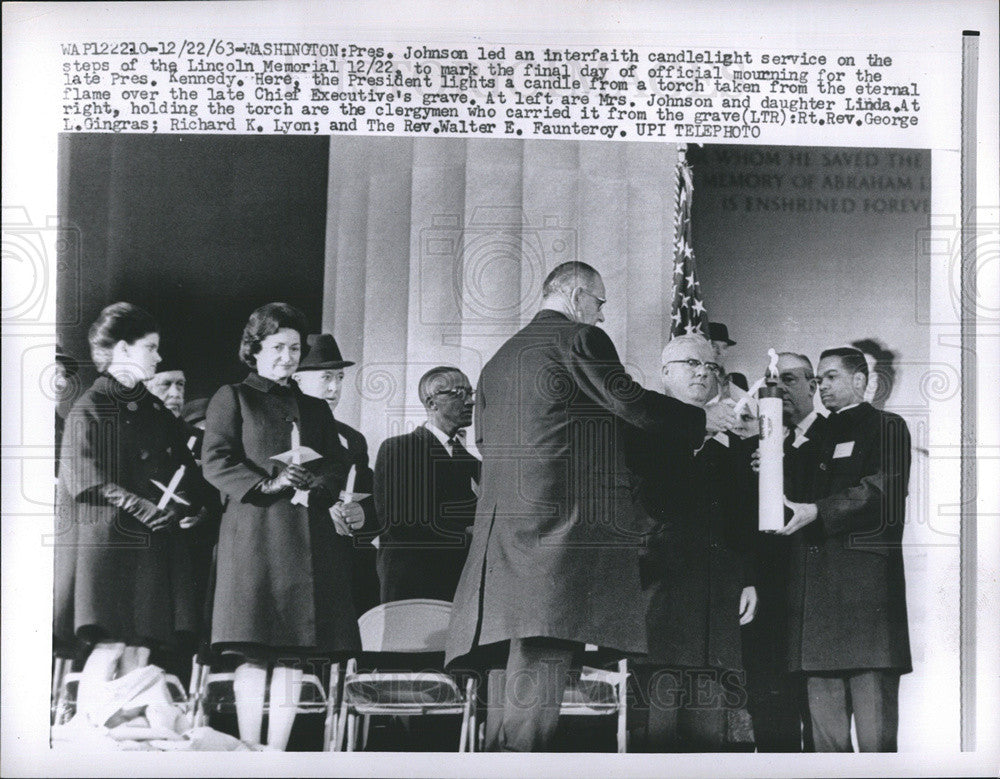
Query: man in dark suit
[[321, 375], [699, 568], [554, 559], [425, 496], [848, 628], [776, 697]]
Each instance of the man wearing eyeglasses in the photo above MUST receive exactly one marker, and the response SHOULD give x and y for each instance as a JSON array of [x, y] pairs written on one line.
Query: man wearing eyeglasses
[[424, 494], [554, 563], [698, 569]]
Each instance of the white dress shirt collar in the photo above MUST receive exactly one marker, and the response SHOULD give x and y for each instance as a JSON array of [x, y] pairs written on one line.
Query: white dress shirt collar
[[439, 434], [803, 426]]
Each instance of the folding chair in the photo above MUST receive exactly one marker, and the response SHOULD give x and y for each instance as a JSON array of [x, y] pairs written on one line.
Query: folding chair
[[597, 692], [594, 692], [215, 696], [418, 627]]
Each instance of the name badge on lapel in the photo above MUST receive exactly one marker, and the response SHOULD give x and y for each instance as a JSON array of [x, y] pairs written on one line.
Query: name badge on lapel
[[843, 450]]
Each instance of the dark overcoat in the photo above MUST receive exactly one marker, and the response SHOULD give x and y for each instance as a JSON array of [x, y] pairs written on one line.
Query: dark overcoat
[[700, 558], [202, 538], [847, 595], [111, 572], [424, 501], [284, 577], [555, 544]]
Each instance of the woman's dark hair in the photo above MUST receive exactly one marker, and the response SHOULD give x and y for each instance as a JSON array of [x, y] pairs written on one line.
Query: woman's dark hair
[[118, 322], [267, 320]]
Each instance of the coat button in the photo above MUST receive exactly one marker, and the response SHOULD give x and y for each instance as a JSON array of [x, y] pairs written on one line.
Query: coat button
[[814, 549], [715, 546], [143, 455], [822, 466]]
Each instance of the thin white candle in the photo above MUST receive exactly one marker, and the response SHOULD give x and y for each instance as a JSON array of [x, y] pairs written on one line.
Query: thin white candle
[[301, 497], [168, 493], [351, 475]]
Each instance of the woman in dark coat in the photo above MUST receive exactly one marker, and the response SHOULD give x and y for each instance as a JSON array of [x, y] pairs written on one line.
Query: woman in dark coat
[[283, 583], [122, 571]]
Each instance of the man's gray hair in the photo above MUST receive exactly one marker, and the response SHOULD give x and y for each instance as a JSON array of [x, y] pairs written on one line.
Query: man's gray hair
[[679, 340], [568, 275], [806, 362]]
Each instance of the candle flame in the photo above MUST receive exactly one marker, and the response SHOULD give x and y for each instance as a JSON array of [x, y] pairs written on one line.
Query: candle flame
[[772, 369]]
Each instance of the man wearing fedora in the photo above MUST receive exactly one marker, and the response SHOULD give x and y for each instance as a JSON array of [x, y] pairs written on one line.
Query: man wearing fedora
[[321, 375], [718, 334]]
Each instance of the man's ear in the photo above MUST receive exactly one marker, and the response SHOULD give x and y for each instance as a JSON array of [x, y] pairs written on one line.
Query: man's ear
[[860, 383]]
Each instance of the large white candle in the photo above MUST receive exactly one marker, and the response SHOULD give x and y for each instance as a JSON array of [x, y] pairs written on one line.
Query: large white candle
[[771, 507], [351, 475]]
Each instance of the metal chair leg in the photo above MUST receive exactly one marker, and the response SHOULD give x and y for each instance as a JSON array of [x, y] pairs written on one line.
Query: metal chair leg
[[330, 726], [365, 725], [463, 739], [60, 668], [352, 732], [341, 722], [622, 706]]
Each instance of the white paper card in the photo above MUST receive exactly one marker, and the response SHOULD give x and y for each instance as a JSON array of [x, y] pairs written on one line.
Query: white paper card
[[843, 450], [305, 455]]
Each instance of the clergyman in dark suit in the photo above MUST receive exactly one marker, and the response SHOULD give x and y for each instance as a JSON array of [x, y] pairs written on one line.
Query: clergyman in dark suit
[[425, 496], [321, 375], [554, 559], [848, 632]]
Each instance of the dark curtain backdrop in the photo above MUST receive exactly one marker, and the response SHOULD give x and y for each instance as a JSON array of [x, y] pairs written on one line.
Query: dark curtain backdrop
[[199, 230]]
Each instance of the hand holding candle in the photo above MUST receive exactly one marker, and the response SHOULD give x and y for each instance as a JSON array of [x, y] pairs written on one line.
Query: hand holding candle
[[347, 517], [347, 514]]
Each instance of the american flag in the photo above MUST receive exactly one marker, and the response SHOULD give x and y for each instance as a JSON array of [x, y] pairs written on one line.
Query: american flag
[[687, 313]]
